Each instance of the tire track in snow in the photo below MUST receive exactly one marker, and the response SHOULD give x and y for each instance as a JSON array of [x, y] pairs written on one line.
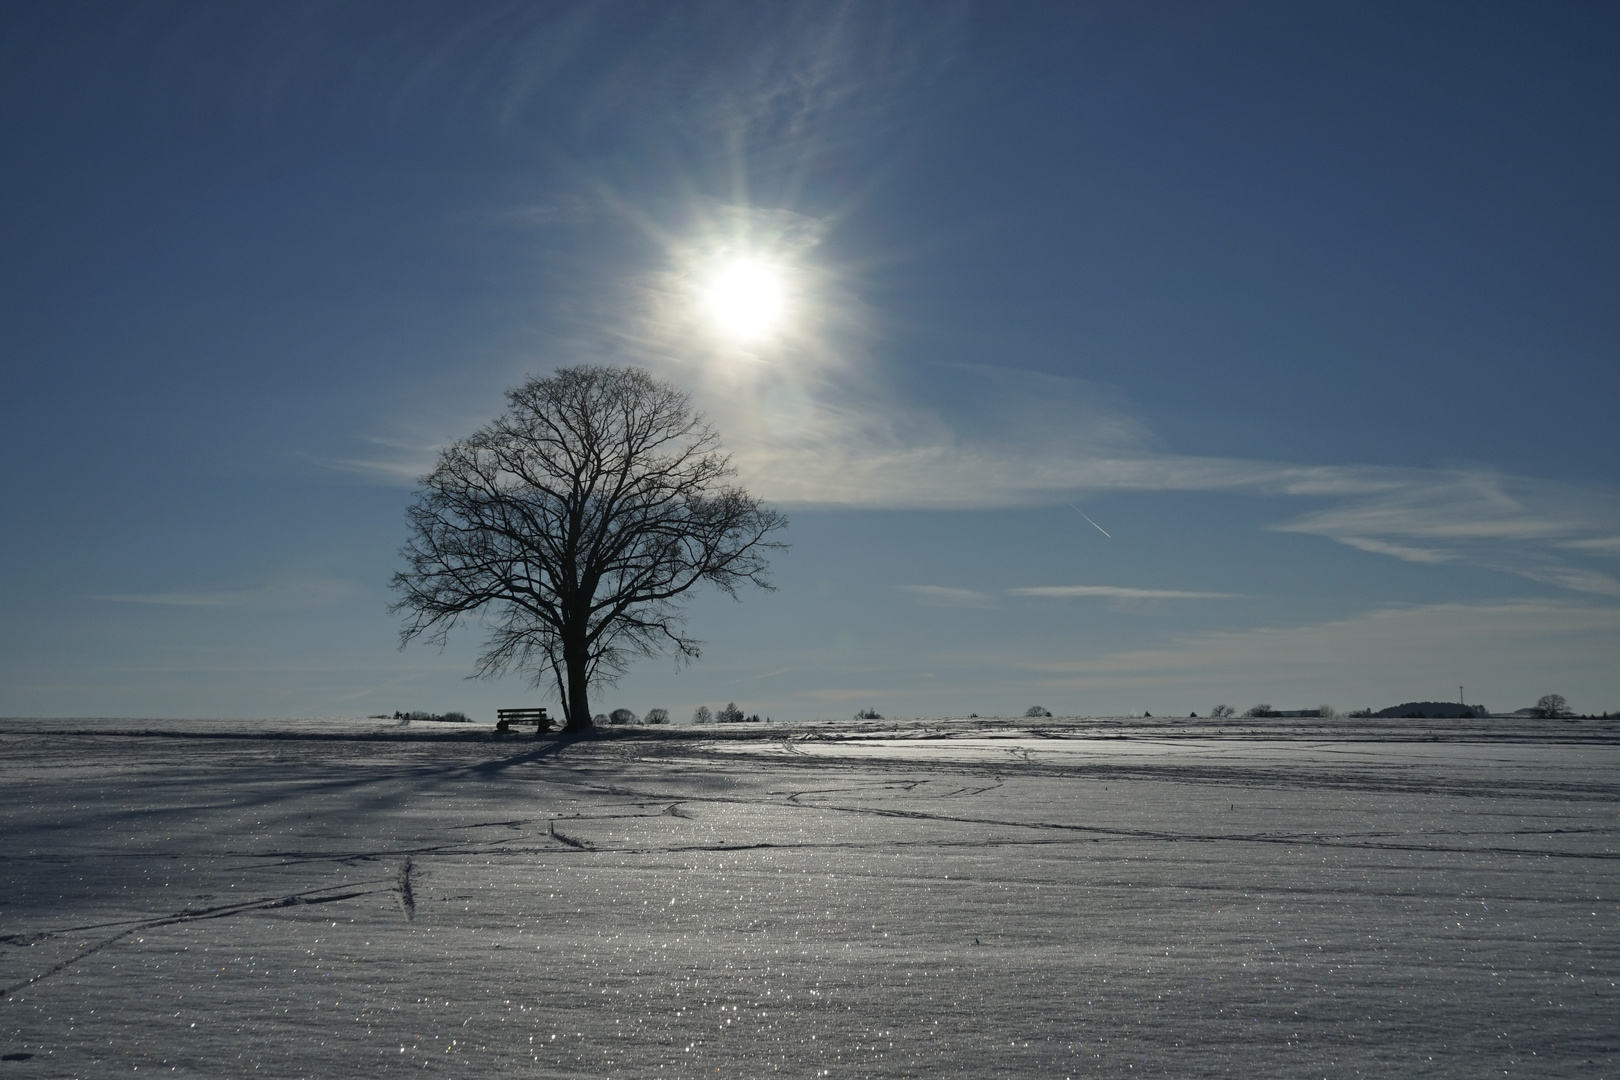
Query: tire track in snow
[[1095, 831], [224, 911]]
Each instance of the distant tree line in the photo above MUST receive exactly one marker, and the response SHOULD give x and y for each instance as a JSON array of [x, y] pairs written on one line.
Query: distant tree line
[[728, 715], [443, 718], [1547, 707], [626, 716]]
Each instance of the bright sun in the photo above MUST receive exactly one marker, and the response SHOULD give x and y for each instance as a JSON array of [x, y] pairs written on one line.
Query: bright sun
[[745, 299]]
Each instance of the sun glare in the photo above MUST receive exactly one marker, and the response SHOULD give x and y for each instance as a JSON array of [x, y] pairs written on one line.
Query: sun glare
[[745, 299]]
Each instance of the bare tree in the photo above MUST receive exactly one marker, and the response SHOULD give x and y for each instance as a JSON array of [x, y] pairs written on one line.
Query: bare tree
[[1551, 706], [572, 524], [1222, 710]]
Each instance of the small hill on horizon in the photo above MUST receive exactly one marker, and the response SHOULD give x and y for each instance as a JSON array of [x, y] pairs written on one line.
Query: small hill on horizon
[[1432, 710]]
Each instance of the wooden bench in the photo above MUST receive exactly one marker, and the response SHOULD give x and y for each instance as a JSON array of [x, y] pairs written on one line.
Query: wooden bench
[[505, 718]]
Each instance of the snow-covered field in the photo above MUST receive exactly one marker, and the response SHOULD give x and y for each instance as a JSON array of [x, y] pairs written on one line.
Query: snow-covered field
[[875, 899]]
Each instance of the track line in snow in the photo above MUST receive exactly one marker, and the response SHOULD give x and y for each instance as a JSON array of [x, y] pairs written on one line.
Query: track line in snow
[[569, 840], [310, 896]]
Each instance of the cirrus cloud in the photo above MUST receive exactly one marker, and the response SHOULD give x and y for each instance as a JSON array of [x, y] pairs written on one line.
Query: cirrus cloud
[[1118, 592]]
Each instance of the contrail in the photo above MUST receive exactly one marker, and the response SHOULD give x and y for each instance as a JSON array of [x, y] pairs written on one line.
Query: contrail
[[1094, 525]]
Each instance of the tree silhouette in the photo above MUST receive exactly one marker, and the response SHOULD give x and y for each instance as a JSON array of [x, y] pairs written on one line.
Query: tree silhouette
[[1551, 706], [571, 526]]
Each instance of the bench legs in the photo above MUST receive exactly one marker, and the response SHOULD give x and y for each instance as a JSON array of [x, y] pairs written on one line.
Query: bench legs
[[540, 726]]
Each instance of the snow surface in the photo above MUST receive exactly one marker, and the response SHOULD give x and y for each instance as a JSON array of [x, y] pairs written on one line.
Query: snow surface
[[876, 899]]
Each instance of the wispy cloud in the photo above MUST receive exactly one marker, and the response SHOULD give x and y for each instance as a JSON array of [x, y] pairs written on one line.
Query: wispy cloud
[[1118, 592], [1462, 505], [699, 67], [1599, 545], [1398, 551], [565, 208], [306, 593], [1510, 524], [765, 675], [395, 461], [1574, 578], [1506, 653], [1040, 440], [944, 597]]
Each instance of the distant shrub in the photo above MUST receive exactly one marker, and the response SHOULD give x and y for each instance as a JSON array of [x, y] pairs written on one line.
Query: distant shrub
[[730, 714], [621, 716], [1222, 710], [1037, 710], [752, 719], [702, 715], [868, 713], [1359, 714], [449, 717], [656, 716], [1327, 712], [1262, 709], [600, 719]]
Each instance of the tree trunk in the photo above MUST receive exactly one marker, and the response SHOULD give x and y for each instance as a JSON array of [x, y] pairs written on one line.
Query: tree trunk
[[576, 661]]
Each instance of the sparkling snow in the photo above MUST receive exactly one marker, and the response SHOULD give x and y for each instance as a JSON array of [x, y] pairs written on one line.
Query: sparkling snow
[[874, 899]]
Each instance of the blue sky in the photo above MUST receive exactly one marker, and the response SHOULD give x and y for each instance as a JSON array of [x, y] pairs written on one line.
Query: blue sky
[[1310, 307]]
